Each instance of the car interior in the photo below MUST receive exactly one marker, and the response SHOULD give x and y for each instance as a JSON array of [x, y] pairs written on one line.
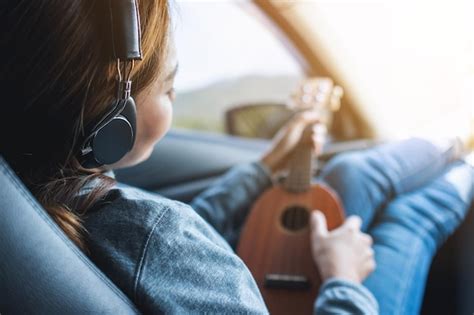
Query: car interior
[[227, 112]]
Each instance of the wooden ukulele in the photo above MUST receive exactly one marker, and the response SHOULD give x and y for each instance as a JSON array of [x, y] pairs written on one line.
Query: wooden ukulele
[[275, 240]]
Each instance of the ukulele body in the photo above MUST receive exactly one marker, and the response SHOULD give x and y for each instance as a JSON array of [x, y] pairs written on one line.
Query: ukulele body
[[275, 246]]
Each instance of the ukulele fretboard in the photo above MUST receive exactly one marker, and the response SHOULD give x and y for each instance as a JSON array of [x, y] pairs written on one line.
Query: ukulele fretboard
[[300, 169]]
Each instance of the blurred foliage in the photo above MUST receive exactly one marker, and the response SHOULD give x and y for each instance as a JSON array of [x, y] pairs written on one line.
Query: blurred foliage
[[197, 123]]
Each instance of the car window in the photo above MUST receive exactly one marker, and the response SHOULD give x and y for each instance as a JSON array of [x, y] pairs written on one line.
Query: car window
[[228, 57]]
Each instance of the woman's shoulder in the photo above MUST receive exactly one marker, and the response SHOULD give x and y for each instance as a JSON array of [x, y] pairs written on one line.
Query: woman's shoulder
[[121, 228], [129, 214], [133, 207]]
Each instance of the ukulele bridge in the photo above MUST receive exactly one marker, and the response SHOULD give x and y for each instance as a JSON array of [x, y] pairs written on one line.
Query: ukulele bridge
[[289, 282]]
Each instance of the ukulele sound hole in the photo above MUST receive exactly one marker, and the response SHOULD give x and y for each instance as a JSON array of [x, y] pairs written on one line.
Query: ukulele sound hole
[[295, 218]]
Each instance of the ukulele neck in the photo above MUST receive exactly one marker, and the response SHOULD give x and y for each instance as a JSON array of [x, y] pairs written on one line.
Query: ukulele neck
[[300, 170]]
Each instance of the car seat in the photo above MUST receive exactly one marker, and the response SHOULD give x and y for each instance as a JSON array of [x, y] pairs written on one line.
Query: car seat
[[41, 270]]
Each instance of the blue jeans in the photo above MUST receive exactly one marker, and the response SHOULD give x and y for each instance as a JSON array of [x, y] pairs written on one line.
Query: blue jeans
[[411, 196]]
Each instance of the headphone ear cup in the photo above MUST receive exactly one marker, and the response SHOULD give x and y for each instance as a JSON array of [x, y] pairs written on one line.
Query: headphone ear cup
[[115, 138]]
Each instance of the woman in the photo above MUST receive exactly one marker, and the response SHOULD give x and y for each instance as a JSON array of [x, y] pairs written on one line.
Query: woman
[[173, 258]]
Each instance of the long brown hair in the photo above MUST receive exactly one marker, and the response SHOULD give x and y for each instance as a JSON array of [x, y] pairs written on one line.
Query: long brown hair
[[56, 76]]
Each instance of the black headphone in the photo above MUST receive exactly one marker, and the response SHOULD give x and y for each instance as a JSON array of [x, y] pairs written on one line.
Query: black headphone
[[113, 136]]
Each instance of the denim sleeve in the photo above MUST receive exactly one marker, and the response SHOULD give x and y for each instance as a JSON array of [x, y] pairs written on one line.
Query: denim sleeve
[[339, 296], [226, 203]]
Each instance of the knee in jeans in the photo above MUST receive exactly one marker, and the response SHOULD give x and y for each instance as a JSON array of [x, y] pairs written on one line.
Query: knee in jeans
[[351, 165]]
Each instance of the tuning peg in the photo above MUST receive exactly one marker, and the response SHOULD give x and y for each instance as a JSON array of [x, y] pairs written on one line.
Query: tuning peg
[[338, 91], [335, 102]]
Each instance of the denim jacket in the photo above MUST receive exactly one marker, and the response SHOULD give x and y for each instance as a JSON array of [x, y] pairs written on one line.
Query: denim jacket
[[173, 258]]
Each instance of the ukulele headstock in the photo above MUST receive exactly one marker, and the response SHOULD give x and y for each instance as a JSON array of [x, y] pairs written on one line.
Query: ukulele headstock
[[319, 94]]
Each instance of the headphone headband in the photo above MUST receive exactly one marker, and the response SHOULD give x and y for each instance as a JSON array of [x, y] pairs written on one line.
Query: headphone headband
[[125, 29]]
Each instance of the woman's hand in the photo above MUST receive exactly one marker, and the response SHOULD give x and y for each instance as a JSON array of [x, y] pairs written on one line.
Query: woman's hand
[[345, 252], [302, 128]]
